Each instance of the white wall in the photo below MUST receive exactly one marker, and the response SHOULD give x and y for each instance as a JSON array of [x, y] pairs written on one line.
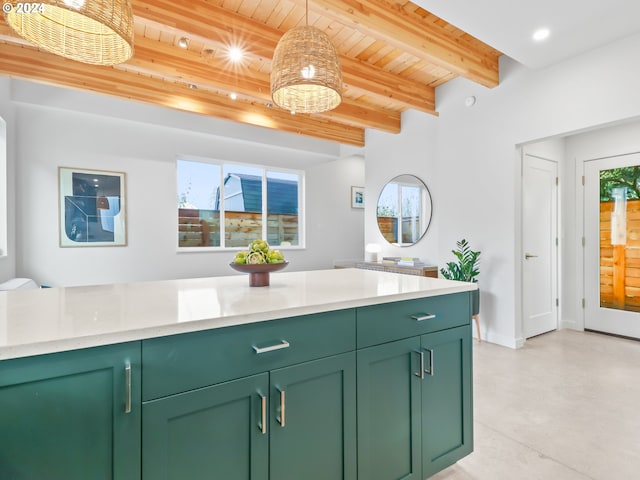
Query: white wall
[[335, 231], [411, 152], [477, 166], [49, 136]]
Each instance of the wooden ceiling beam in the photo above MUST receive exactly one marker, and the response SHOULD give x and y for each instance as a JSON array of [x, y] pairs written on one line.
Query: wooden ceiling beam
[[388, 86], [224, 27], [216, 73], [391, 23], [29, 63]]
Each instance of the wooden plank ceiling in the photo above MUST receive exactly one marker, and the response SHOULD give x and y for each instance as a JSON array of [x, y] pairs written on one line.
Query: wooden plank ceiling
[[393, 55]]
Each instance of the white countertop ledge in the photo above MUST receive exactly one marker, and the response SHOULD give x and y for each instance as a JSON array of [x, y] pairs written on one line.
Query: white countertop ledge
[[39, 321]]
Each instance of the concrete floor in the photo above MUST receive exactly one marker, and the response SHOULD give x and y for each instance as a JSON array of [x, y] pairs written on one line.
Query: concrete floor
[[564, 407]]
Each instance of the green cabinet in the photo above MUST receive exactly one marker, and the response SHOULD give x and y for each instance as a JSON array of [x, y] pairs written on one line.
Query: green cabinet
[[380, 392], [415, 412], [270, 400], [447, 408], [212, 432], [72, 415], [313, 420], [389, 437], [291, 423]]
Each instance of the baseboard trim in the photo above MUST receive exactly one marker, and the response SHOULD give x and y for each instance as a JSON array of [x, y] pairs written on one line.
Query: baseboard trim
[[514, 343], [571, 325]]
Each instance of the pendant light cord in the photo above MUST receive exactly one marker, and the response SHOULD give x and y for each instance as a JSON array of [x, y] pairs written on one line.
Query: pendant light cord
[[306, 12]]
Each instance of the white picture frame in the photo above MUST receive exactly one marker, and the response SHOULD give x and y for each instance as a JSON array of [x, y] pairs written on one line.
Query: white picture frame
[[357, 197], [92, 208]]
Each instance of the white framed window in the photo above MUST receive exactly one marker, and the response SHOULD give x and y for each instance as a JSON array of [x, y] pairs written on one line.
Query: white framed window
[[3, 188], [224, 205]]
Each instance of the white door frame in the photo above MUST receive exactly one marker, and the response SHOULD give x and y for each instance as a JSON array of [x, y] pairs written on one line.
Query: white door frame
[[578, 243]]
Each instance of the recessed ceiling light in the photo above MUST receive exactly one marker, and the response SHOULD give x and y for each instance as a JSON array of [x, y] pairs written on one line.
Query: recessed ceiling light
[[235, 54], [183, 42], [541, 34], [233, 95]]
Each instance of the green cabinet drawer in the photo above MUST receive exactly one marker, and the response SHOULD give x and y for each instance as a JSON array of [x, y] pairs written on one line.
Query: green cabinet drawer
[[387, 322], [184, 362]]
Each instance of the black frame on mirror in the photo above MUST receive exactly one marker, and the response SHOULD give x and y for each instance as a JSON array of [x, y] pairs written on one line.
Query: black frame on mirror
[[404, 210]]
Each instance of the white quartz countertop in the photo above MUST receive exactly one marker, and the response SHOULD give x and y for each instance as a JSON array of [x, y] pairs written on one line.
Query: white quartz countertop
[[51, 320]]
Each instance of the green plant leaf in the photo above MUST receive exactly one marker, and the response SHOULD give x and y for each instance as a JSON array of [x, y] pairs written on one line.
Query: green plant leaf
[[466, 268]]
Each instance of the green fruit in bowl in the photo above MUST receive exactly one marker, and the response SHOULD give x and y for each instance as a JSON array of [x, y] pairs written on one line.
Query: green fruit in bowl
[[259, 253], [259, 246], [241, 257], [275, 256], [256, 257]]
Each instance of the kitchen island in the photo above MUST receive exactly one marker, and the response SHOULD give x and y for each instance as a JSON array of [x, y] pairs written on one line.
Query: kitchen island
[[322, 375]]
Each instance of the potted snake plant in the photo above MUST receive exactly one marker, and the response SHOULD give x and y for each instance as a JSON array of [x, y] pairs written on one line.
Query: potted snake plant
[[465, 269]]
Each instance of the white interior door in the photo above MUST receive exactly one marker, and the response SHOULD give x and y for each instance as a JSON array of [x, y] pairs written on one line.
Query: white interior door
[[612, 245], [539, 242]]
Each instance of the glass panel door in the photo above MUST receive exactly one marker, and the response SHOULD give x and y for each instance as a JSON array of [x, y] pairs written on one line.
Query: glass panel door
[[612, 245]]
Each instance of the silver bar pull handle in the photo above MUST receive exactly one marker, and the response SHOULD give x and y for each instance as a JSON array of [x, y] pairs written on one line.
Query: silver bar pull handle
[[419, 317], [271, 348], [527, 256], [431, 370], [127, 388], [282, 418], [421, 372], [263, 418]]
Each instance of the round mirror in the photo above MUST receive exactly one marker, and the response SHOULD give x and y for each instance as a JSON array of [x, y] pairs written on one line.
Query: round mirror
[[404, 210]]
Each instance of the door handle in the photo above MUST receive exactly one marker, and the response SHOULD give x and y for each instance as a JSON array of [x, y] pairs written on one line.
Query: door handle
[[271, 348], [127, 388], [263, 414], [281, 420], [420, 373], [431, 370], [419, 317], [527, 256]]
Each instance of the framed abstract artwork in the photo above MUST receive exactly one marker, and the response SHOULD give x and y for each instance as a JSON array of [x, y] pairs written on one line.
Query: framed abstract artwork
[[92, 208], [357, 197]]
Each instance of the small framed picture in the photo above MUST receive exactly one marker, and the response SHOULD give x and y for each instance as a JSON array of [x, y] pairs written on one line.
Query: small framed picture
[[91, 208], [357, 197]]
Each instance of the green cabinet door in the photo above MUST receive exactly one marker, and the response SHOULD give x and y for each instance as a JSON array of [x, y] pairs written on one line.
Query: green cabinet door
[[447, 409], [216, 432], [389, 411], [313, 420], [66, 416]]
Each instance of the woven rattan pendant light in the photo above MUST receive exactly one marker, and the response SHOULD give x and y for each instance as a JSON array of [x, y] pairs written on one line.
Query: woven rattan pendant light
[[98, 32], [305, 73]]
